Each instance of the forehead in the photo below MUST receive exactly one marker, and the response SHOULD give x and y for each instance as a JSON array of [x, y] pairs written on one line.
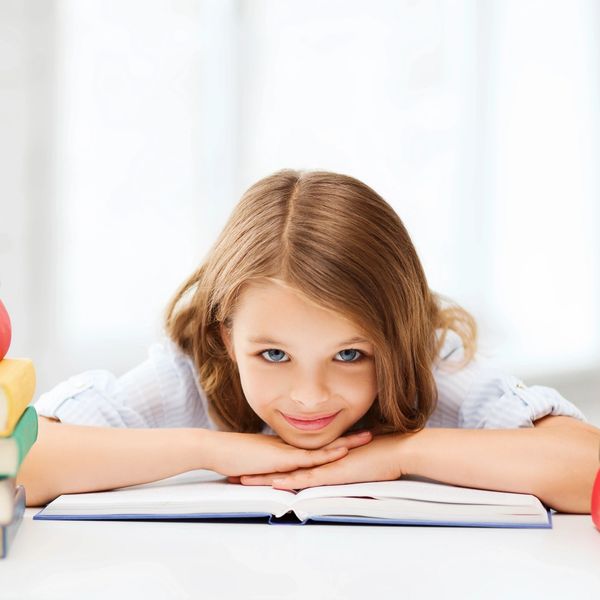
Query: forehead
[[273, 306]]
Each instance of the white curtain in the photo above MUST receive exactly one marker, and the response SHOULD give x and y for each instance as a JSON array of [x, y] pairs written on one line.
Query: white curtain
[[478, 121], [542, 183], [143, 122]]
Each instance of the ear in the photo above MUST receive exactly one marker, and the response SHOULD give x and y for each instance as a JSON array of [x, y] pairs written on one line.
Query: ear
[[226, 337]]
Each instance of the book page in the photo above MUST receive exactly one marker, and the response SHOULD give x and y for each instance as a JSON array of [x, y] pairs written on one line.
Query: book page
[[418, 500], [417, 490], [189, 493], [417, 510]]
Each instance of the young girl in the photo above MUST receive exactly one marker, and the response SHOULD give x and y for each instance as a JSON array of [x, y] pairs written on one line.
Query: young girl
[[308, 350]]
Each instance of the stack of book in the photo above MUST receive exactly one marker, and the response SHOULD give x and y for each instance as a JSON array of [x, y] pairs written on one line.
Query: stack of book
[[18, 432]]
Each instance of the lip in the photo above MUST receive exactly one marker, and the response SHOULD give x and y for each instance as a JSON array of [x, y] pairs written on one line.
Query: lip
[[312, 424]]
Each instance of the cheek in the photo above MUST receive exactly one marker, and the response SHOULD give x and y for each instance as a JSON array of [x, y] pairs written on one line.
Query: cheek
[[261, 385], [358, 387]]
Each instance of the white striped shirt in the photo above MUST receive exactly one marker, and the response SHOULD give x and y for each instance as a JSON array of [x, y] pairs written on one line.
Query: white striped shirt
[[164, 391]]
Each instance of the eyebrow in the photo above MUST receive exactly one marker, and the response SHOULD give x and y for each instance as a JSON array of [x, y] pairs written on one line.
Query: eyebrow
[[265, 340]]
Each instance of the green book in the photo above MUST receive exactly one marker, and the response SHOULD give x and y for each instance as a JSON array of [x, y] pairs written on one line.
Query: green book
[[14, 448]]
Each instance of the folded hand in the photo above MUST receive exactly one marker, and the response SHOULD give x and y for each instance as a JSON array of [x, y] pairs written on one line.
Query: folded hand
[[240, 454], [380, 460]]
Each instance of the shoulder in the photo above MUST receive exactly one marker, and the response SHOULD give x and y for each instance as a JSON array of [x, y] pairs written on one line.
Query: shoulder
[[479, 394], [161, 391], [452, 349], [453, 379], [167, 351], [178, 375]]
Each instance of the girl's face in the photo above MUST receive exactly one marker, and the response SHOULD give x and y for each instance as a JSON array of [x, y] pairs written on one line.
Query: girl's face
[[307, 372]]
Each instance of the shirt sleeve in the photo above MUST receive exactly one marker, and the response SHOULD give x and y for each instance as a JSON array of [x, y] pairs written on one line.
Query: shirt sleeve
[[160, 392], [481, 396]]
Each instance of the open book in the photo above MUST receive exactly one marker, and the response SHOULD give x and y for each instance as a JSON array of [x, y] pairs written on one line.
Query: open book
[[204, 495]]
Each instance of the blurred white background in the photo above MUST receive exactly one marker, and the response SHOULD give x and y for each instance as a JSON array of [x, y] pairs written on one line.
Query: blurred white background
[[129, 129]]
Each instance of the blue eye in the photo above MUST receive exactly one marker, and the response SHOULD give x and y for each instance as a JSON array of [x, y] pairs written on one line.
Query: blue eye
[[349, 355], [274, 355]]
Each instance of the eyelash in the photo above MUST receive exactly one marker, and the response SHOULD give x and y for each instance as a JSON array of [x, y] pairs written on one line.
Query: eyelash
[[361, 356]]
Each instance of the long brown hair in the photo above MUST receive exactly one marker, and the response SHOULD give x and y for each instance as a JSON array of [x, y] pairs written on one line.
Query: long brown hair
[[337, 241]]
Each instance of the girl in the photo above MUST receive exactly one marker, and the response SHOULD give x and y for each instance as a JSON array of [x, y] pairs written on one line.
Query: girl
[[308, 350]]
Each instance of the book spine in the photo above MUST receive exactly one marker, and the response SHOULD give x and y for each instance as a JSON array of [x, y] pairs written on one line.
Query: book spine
[[7, 494], [8, 532], [24, 435], [17, 384], [26, 432]]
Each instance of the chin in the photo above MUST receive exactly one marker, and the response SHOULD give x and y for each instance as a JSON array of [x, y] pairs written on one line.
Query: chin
[[306, 441]]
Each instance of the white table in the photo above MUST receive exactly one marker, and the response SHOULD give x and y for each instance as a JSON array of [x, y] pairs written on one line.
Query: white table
[[91, 559]]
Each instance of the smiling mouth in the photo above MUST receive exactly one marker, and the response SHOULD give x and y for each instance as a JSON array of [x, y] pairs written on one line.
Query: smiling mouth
[[311, 424]]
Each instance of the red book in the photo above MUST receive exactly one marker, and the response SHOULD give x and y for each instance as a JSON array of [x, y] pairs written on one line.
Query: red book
[[596, 502], [5, 331]]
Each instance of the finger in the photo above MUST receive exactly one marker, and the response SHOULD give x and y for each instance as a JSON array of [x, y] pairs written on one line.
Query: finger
[[233, 479], [330, 474], [302, 478], [263, 479], [309, 458], [313, 458], [351, 441], [285, 481]]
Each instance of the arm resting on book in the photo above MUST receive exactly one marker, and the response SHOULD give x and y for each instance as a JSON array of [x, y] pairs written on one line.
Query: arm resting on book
[[78, 458], [556, 461]]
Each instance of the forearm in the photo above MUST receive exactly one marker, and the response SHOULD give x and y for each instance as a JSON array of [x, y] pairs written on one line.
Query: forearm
[[73, 458], [556, 464]]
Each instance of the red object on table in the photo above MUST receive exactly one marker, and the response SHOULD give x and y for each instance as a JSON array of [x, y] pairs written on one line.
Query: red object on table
[[5, 331], [596, 502]]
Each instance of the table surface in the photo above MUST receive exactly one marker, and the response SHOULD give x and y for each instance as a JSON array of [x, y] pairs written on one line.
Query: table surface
[[109, 559]]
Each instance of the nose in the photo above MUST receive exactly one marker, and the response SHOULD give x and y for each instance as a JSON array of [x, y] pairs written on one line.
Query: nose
[[310, 391]]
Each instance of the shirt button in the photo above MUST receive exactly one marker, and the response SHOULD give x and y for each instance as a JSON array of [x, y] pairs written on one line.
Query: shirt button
[[521, 386]]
